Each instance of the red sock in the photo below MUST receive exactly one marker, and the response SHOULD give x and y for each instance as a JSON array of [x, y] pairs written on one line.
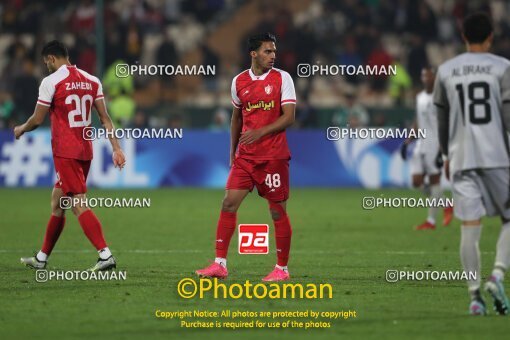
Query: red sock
[[92, 229], [283, 234], [282, 231], [224, 232], [53, 230]]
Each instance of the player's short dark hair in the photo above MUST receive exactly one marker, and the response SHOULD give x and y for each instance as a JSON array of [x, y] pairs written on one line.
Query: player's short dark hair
[[255, 41], [477, 27], [55, 48]]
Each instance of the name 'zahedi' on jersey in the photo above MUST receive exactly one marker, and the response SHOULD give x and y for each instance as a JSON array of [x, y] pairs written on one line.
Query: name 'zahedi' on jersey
[[78, 86]]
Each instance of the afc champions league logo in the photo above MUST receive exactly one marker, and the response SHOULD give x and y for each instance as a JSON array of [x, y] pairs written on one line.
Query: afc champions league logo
[[268, 89]]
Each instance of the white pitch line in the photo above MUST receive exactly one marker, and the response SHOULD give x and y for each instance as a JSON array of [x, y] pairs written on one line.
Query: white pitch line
[[197, 251], [140, 251]]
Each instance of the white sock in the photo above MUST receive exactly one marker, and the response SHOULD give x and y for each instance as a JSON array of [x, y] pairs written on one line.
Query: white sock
[[221, 261], [284, 268], [105, 253], [436, 193], [502, 252], [41, 256], [498, 273], [470, 253]]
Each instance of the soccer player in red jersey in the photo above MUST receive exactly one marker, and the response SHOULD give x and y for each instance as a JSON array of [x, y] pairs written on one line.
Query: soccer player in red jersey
[[68, 94], [264, 102]]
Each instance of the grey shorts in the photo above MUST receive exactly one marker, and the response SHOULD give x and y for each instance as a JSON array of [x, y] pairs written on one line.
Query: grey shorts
[[480, 192]]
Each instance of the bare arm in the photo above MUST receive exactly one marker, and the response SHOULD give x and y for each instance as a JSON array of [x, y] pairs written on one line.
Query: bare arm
[[236, 125], [505, 96], [443, 111], [32, 123], [443, 120], [407, 141], [442, 124], [284, 121], [118, 156], [412, 137], [506, 115], [287, 118]]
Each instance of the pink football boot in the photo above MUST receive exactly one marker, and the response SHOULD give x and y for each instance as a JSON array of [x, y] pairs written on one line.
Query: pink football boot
[[277, 275], [213, 270]]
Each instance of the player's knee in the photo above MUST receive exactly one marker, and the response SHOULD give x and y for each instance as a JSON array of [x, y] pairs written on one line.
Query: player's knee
[[277, 211], [471, 223], [79, 204], [229, 205], [435, 179], [275, 214], [417, 181], [78, 210], [56, 210]]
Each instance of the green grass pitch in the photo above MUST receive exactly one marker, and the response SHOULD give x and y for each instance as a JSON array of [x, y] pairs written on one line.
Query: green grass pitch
[[335, 241]]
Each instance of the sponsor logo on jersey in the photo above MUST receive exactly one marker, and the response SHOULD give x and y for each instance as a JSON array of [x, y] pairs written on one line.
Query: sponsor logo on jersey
[[266, 106]]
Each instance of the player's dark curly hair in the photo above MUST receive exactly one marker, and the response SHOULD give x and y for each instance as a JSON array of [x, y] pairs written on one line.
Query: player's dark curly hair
[[477, 27], [55, 48], [255, 41]]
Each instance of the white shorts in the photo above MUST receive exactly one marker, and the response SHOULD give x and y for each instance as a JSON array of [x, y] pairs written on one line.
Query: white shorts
[[424, 163], [481, 192]]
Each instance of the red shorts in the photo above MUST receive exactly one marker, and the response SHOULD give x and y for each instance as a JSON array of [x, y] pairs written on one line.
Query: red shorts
[[270, 177], [71, 175]]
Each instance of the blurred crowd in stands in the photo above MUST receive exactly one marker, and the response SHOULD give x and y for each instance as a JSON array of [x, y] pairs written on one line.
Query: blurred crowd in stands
[[408, 33]]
